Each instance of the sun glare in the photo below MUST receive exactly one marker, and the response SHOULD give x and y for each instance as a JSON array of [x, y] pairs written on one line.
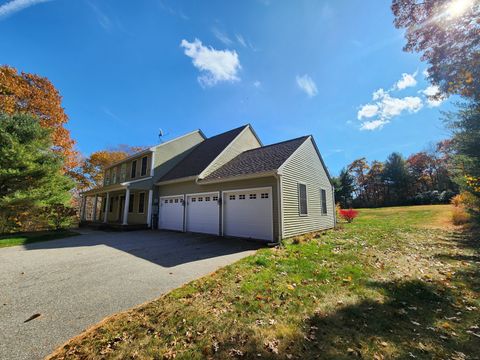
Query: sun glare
[[458, 7]]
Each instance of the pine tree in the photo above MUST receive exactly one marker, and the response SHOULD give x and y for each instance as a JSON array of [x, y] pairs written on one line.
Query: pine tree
[[31, 175]]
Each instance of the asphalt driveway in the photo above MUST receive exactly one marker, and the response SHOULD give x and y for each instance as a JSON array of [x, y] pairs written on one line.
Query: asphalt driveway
[[74, 283]]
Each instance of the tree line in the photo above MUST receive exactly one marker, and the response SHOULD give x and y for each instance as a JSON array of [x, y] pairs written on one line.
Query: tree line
[[422, 178]]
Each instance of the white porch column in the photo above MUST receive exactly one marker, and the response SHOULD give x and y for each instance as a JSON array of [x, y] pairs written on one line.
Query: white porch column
[[95, 208], [83, 208], [125, 209], [149, 208], [107, 208]]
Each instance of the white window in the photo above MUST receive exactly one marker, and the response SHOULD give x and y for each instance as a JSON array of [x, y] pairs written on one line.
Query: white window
[[107, 177], [232, 197], [241, 197], [207, 198], [133, 169], [215, 198], [200, 199], [302, 199], [323, 201], [143, 169], [123, 172], [253, 196], [264, 196]]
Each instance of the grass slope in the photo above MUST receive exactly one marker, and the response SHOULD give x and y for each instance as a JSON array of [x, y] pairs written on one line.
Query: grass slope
[[396, 283], [28, 238]]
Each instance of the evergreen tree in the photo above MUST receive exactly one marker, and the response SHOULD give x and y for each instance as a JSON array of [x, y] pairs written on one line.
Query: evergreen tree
[[31, 174]]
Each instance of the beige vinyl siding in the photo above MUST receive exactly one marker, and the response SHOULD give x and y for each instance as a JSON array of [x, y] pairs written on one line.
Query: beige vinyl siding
[[246, 140], [191, 187], [166, 156], [305, 167]]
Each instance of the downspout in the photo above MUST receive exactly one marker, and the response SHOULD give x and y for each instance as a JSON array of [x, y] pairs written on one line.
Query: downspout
[[334, 207], [278, 176]]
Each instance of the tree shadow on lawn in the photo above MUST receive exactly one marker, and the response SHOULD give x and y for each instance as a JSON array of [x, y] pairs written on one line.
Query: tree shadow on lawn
[[417, 319]]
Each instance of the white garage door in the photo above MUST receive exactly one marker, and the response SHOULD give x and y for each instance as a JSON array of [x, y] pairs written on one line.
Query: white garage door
[[203, 213], [171, 213], [248, 214]]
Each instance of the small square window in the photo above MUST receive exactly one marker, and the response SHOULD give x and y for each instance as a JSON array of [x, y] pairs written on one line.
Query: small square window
[[215, 198], [166, 201], [253, 196], [231, 197], [264, 196], [194, 199], [241, 197], [170, 201], [176, 201], [200, 199], [207, 198]]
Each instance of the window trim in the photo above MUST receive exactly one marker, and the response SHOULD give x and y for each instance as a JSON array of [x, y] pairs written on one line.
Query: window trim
[[323, 201], [133, 169], [143, 171], [138, 207], [299, 184]]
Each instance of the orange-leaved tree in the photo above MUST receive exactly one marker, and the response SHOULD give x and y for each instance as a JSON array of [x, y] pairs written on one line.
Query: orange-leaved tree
[[35, 95]]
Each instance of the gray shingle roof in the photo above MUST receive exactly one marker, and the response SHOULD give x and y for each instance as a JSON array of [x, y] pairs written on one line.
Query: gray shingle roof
[[263, 159], [202, 155]]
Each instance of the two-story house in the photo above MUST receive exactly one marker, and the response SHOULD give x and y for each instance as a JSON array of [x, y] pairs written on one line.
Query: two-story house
[[228, 185]]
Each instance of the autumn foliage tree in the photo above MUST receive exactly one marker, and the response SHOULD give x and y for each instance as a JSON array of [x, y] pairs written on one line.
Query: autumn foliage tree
[[423, 178], [23, 93], [447, 35]]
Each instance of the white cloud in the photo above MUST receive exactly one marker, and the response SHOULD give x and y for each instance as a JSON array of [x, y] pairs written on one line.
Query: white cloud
[[241, 40], [214, 65], [385, 108], [14, 6], [223, 37], [374, 124], [367, 111], [257, 84], [407, 80], [392, 106], [431, 93], [425, 73], [306, 84], [104, 21], [378, 94]]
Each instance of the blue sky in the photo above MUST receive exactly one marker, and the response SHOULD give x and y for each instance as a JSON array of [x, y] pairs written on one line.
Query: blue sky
[[290, 68]]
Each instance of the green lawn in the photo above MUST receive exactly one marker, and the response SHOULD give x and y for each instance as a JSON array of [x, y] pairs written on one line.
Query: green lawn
[[396, 283], [28, 238]]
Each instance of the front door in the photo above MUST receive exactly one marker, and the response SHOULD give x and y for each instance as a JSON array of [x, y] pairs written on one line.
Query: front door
[[121, 206]]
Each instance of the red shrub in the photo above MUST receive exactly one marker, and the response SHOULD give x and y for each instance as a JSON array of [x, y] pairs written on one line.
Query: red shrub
[[348, 214]]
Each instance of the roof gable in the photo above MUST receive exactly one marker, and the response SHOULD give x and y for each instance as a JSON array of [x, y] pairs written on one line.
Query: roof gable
[[259, 160], [202, 155]]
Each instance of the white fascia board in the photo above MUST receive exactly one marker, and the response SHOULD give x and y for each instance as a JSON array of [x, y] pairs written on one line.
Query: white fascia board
[[239, 177]]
